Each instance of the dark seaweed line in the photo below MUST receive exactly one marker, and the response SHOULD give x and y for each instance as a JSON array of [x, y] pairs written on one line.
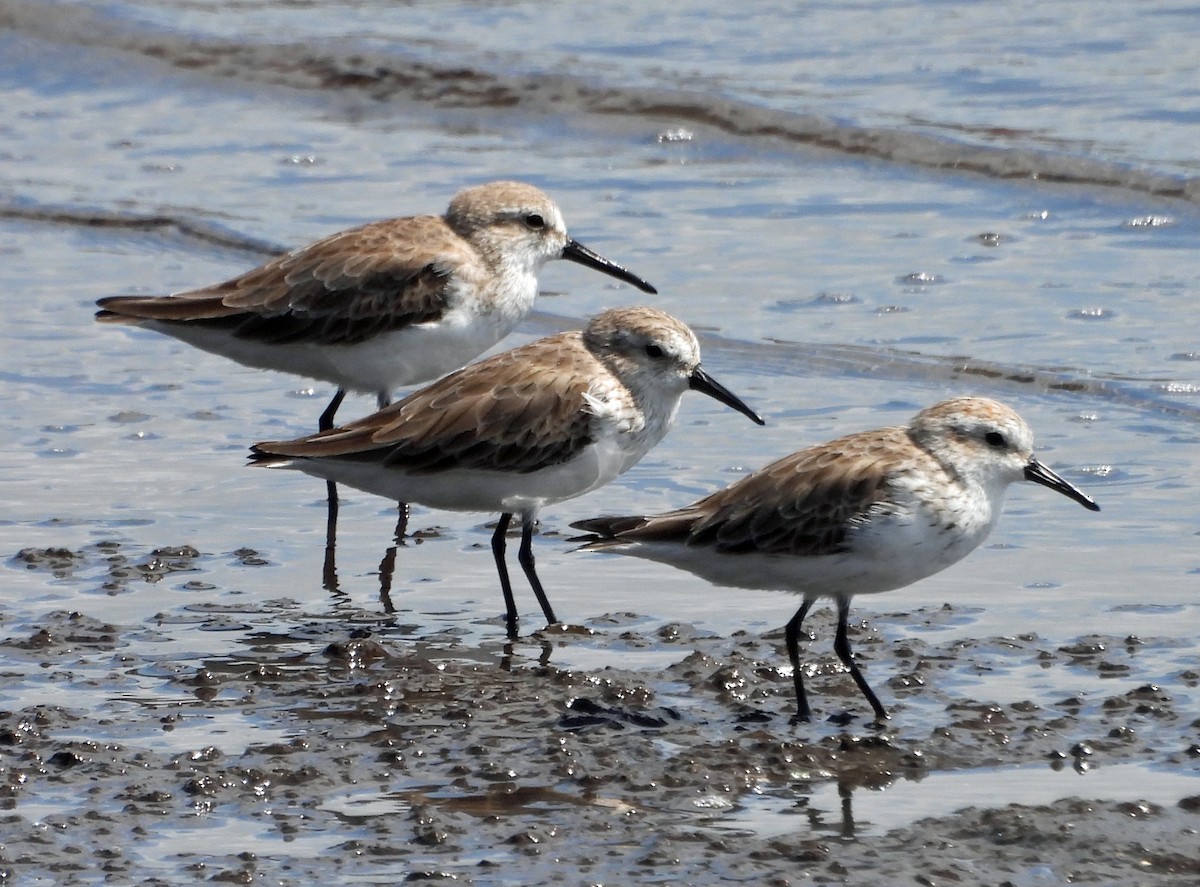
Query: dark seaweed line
[[199, 231], [389, 77], [814, 358]]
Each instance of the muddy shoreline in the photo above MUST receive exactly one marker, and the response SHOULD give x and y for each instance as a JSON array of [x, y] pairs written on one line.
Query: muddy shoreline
[[392, 756]]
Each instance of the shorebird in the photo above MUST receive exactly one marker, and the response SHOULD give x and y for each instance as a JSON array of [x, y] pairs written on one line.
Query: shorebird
[[391, 303], [862, 514], [533, 426]]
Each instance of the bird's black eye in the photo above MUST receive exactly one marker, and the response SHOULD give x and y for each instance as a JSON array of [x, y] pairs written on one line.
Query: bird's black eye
[[995, 439], [535, 222], [654, 352]]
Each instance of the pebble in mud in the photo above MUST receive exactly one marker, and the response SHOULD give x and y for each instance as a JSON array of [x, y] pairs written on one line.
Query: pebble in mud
[[107, 561]]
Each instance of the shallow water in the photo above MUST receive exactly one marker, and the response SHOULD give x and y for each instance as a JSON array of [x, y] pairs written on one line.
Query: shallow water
[[842, 201], [903, 803]]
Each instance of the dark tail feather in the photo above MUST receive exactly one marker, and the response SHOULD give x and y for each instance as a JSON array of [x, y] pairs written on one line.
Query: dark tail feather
[[131, 309], [606, 527], [263, 459], [670, 526]]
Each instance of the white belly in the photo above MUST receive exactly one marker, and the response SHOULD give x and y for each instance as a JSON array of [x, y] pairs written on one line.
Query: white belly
[[890, 553], [473, 490], [385, 362]]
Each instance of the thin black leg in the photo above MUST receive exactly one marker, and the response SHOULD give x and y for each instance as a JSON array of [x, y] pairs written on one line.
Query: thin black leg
[[525, 557], [326, 420], [384, 399], [841, 646], [791, 635], [498, 545]]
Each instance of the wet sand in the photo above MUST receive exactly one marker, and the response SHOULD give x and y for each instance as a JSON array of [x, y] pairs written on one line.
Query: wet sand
[[389, 757]]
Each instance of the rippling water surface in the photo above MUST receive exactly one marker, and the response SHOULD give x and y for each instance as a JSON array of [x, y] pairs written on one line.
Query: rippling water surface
[[862, 207]]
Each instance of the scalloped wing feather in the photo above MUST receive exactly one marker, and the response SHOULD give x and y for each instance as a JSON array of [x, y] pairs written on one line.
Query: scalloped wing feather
[[492, 415], [804, 504], [341, 290]]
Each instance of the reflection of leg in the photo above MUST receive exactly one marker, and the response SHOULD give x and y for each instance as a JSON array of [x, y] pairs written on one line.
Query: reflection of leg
[[329, 570], [387, 568], [791, 636], [841, 646], [846, 795], [509, 650], [525, 557], [498, 545], [326, 420]]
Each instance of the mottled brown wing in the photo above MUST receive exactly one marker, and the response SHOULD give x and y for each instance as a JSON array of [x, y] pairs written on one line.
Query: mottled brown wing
[[341, 290], [802, 504], [518, 411]]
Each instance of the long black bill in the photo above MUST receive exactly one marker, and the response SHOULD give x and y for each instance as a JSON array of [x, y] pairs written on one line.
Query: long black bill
[[702, 381], [575, 251], [1040, 474]]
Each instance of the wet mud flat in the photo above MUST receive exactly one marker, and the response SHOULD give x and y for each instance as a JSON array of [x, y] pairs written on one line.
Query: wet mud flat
[[355, 748]]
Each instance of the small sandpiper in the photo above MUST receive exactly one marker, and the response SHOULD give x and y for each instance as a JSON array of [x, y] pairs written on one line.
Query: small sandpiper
[[391, 303], [536, 425], [866, 513]]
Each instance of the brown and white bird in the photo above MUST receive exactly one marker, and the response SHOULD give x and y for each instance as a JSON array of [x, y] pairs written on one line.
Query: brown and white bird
[[533, 426], [866, 513], [391, 303]]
